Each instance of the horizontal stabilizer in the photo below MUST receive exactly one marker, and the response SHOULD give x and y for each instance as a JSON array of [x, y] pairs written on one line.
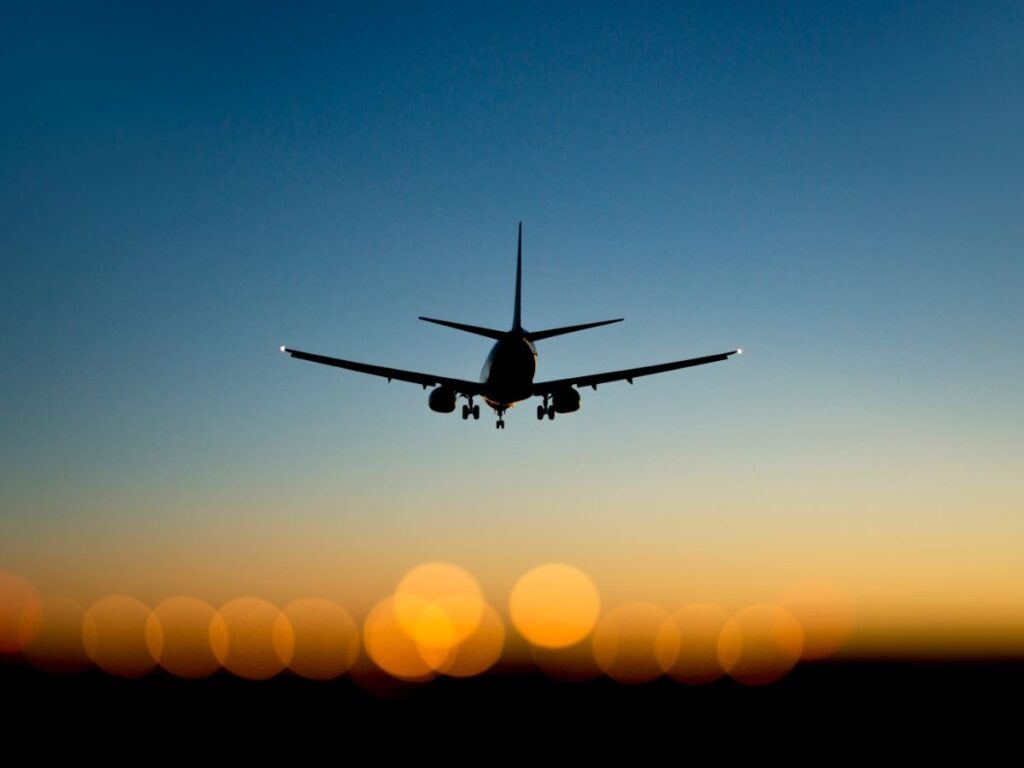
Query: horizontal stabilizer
[[488, 332], [538, 335]]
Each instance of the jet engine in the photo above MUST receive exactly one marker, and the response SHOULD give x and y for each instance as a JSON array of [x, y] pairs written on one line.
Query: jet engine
[[566, 400], [442, 400]]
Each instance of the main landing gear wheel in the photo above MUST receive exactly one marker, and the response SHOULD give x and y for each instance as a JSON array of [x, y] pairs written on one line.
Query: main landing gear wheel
[[470, 410], [545, 410]]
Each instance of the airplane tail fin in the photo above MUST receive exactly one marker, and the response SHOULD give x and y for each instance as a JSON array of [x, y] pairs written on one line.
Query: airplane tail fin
[[478, 330], [516, 312], [491, 333], [547, 334]]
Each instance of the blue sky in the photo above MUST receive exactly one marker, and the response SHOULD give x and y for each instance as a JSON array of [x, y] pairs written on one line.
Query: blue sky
[[835, 188]]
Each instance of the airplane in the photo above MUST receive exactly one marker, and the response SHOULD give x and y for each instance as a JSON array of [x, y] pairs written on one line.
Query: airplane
[[507, 375]]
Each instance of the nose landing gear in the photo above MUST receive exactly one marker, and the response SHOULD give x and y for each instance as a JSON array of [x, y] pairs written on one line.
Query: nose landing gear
[[500, 423]]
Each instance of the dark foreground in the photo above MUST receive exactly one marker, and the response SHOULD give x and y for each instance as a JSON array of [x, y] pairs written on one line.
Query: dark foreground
[[836, 707]]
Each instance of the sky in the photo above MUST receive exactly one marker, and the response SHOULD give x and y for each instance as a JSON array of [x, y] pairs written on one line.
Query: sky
[[836, 188]]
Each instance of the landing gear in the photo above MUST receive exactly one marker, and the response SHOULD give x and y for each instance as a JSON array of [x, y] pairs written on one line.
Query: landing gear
[[500, 423], [470, 410], [545, 410]]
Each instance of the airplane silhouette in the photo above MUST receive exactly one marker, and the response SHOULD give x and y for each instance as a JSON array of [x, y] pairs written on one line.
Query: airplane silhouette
[[507, 375]]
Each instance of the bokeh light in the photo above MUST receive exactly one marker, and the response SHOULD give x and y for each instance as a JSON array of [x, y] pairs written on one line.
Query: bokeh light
[[57, 645], [448, 608], [248, 639], [391, 648], [554, 605], [826, 613], [624, 642], [436, 622], [178, 637], [481, 650], [687, 644], [326, 638], [760, 644], [114, 636], [428, 625], [20, 612]]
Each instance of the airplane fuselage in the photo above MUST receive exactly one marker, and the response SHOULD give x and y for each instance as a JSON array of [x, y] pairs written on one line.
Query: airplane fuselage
[[508, 372]]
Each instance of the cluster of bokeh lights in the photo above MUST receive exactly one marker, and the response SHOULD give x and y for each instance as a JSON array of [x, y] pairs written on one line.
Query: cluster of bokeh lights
[[436, 622]]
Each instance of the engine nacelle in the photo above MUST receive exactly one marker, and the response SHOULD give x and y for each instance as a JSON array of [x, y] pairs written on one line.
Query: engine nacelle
[[566, 400], [442, 400]]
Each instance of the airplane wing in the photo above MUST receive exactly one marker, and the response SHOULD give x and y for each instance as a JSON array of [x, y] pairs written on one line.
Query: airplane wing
[[424, 379], [547, 387]]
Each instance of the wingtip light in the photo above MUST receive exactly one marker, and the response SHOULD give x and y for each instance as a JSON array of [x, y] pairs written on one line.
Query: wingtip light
[[282, 347], [738, 351]]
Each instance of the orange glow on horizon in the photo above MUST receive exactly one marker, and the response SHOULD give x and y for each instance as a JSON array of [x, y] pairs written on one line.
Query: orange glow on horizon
[[20, 612], [760, 644], [326, 638], [687, 644], [57, 646], [624, 642], [251, 638], [178, 637], [114, 633], [826, 614], [437, 623]]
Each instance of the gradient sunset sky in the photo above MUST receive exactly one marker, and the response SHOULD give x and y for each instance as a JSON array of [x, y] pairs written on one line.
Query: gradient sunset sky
[[837, 188]]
